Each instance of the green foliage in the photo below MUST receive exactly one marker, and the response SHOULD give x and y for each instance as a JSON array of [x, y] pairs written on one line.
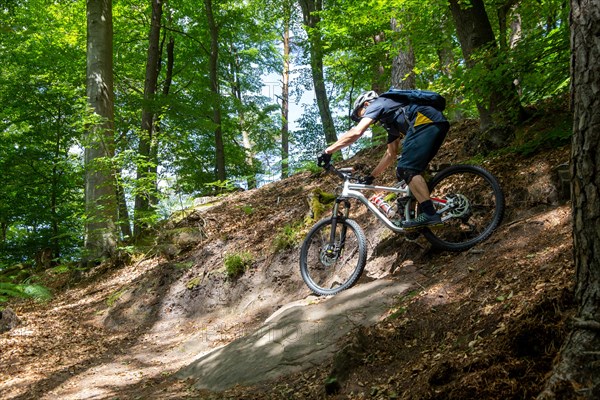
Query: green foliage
[[247, 209], [62, 269], [184, 265], [554, 139], [552, 132], [308, 139], [44, 110], [540, 59], [237, 263], [194, 282], [320, 201], [220, 187], [24, 290], [288, 237], [114, 297], [550, 126], [42, 115], [309, 166], [246, 52]]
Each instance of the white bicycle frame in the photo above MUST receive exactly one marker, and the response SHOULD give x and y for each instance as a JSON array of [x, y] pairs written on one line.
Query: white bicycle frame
[[353, 191]]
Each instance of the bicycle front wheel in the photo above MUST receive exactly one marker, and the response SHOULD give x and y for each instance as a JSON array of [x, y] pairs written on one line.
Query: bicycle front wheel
[[471, 203], [332, 263]]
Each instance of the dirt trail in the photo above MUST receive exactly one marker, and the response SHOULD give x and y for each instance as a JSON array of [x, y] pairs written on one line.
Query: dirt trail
[[71, 354], [434, 322]]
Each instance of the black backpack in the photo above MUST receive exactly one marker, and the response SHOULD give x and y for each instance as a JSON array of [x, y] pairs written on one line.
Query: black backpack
[[419, 97]]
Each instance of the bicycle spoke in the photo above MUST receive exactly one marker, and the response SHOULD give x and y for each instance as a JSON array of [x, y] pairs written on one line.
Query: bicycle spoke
[[326, 266], [350, 256], [473, 206]]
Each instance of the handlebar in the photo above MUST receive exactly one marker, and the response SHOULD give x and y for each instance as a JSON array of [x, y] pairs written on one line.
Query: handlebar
[[343, 173]]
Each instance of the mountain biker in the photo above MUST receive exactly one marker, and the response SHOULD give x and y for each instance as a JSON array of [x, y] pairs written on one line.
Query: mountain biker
[[424, 128]]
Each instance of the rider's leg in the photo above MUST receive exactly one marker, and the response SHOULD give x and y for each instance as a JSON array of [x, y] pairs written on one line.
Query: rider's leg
[[419, 148], [419, 189]]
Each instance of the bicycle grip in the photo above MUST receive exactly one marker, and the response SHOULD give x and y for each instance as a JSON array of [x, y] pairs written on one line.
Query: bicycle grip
[[324, 160]]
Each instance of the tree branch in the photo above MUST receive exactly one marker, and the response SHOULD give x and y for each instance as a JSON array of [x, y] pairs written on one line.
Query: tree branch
[[190, 37]]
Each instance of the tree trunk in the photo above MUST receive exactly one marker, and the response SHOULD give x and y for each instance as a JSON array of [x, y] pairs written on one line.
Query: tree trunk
[[577, 373], [145, 181], [158, 116], [379, 80], [56, 172], [100, 195], [122, 212], [474, 33], [403, 76], [509, 31], [285, 92], [237, 94], [497, 105], [170, 65], [504, 11], [214, 81], [310, 9], [3, 230]]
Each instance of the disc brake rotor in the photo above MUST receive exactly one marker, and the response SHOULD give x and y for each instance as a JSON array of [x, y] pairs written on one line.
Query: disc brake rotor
[[329, 255], [459, 207]]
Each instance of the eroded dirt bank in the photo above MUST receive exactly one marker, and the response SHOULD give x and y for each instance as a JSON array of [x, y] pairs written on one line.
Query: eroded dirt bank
[[485, 323]]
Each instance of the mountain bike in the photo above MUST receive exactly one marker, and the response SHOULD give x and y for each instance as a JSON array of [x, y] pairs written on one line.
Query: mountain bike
[[334, 252]]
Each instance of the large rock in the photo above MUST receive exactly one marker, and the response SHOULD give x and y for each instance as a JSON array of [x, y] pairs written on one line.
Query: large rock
[[8, 320], [303, 334]]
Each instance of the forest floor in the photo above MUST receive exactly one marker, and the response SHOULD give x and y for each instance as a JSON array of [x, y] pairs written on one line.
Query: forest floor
[[483, 324]]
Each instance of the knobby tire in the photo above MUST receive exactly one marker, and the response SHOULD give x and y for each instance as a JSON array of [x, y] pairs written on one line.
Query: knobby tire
[[338, 274], [487, 207]]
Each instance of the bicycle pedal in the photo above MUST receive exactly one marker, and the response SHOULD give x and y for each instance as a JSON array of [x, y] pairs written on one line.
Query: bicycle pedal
[[412, 236]]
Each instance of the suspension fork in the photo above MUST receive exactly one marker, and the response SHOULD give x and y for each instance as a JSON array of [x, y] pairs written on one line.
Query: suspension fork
[[334, 219]]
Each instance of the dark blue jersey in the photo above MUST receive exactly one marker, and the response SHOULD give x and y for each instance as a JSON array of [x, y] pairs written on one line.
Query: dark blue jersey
[[397, 118], [391, 116]]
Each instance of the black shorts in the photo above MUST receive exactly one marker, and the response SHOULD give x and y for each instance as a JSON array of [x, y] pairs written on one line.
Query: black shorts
[[421, 145], [392, 138]]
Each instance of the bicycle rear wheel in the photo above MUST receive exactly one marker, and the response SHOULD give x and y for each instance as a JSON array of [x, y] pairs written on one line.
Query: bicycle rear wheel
[[473, 203], [328, 267]]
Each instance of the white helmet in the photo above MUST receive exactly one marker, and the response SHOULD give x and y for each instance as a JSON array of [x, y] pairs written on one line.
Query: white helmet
[[360, 101]]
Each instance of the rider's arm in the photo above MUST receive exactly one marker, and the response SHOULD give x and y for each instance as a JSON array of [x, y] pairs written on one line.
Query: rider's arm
[[388, 158], [351, 136]]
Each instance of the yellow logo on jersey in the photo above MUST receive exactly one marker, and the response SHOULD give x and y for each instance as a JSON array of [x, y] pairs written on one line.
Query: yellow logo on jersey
[[421, 120]]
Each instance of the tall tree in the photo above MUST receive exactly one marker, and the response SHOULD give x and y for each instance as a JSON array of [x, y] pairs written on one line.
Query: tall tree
[[475, 33], [236, 87], [577, 374], [403, 64], [476, 36], [146, 175], [285, 88], [42, 92], [213, 71], [100, 193], [310, 12]]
